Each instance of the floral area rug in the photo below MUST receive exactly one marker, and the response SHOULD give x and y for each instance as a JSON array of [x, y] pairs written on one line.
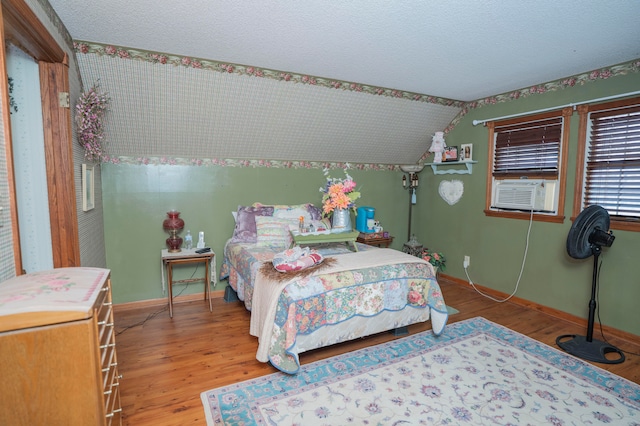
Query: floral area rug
[[476, 373]]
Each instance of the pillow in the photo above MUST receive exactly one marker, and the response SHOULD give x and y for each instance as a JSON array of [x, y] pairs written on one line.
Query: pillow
[[315, 212], [295, 259], [292, 212], [245, 230], [308, 211], [274, 232]]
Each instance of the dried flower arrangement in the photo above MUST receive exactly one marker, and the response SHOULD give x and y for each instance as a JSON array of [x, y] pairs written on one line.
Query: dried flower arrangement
[[90, 112]]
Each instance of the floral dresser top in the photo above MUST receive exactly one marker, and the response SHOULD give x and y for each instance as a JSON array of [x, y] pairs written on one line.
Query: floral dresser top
[[46, 297]]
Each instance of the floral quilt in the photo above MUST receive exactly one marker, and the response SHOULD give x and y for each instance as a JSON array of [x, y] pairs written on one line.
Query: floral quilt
[[242, 261], [315, 301]]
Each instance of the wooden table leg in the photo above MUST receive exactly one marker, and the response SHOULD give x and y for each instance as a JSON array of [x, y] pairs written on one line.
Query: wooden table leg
[[207, 283], [170, 286]]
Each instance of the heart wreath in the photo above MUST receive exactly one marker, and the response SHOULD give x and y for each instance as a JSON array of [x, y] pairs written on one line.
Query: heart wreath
[[451, 191]]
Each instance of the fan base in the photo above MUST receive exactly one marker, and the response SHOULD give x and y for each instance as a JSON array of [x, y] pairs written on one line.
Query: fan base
[[594, 350]]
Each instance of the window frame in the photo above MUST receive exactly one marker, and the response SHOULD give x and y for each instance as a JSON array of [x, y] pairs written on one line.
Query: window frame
[[584, 111], [558, 216]]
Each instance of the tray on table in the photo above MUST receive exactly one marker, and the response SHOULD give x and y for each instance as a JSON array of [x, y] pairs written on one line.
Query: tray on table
[[335, 237]]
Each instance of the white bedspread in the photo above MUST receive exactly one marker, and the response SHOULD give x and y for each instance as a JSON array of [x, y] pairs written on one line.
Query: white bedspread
[[266, 292]]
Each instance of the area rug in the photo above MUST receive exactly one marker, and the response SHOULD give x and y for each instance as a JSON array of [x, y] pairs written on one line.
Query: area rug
[[476, 373]]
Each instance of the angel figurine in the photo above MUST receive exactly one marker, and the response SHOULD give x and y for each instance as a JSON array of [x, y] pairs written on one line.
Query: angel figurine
[[437, 146]]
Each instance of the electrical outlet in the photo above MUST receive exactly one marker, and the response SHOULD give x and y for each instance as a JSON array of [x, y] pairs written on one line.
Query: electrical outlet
[[467, 262]]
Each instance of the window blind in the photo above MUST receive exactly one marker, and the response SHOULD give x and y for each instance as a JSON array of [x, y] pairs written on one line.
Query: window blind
[[612, 178], [530, 148]]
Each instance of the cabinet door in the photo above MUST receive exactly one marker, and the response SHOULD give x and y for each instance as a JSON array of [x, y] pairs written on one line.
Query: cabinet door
[[50, 376]]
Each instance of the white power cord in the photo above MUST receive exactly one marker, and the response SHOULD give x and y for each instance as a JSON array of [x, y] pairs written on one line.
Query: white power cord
[[524, 260]]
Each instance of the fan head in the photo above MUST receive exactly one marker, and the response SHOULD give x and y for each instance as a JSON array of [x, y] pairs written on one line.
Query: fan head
[[589, 230]]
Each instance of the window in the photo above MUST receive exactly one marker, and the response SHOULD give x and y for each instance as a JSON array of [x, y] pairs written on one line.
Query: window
[[609, 159], [527, 166]]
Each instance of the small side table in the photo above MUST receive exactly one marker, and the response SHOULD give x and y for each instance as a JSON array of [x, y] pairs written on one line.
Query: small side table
[[378, 242], [184, 257]]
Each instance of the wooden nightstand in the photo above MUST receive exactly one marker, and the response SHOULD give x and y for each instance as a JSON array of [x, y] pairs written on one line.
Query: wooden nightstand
[[378, 241]]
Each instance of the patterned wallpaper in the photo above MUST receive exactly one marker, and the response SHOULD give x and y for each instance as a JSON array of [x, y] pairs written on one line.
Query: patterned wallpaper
[[7, 265], [29, 165], [170, 109], [158, 118], [164, 110]]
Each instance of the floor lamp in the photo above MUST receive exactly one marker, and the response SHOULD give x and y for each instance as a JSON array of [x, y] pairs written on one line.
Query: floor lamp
[[411, 183]]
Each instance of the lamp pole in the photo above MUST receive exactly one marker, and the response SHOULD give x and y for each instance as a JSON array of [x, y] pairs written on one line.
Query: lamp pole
[[411, 184]]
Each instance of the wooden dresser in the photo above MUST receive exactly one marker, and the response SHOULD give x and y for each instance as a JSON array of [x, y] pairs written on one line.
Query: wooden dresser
[[58, 362]]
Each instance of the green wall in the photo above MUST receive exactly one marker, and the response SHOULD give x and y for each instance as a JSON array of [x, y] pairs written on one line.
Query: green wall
[[496, 245], [137, 197]]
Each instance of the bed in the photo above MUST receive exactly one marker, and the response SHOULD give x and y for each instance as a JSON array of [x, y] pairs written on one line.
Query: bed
[[359, 294]]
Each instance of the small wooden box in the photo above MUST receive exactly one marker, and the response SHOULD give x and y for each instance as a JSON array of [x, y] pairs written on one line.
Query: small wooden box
[[373, 235], [375, 239]]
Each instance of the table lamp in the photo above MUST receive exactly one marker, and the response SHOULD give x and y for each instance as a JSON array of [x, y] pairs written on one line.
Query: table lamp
[[412, 170], [173, 224]]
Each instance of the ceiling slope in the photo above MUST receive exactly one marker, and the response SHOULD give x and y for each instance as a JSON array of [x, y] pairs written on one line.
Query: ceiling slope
[[417, 63], [461, 49], [176, 111]]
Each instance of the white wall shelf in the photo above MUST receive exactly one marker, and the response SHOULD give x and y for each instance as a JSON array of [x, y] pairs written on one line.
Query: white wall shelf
[[436, 167]]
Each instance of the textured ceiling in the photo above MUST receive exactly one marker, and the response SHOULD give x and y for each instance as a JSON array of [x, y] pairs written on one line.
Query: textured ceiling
[[368, 81], [464, 49]]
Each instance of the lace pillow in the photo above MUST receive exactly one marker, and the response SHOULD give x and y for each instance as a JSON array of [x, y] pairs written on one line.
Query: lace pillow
[[292, 212], [284, 211]]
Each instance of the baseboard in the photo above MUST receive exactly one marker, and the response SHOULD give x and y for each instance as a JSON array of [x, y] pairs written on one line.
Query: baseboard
[[625, 335], [128, 306], [219, 294]]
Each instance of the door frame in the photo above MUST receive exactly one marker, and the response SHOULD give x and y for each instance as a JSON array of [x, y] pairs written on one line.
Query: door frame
[[22, 27]]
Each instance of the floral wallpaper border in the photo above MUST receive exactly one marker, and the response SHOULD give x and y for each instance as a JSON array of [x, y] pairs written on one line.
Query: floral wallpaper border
[[252, 71], [552, 86], [233, 162], [57, 23], [85, 47]]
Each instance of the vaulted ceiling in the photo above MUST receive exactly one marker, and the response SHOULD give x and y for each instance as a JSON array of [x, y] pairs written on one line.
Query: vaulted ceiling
[[402, 69]]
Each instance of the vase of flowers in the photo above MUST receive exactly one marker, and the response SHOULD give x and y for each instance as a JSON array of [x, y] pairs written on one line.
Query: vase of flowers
[[341, 220], [434, 258], [90, 112], [338, 200]]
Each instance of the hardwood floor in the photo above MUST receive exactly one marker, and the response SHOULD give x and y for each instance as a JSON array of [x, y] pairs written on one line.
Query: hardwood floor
[[166, 363]]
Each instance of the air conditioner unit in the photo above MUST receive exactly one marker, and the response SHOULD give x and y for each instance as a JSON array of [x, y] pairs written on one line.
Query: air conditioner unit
[[524, 194]]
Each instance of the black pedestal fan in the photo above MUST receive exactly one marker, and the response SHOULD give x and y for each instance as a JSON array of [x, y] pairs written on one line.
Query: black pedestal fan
[[588, 234]]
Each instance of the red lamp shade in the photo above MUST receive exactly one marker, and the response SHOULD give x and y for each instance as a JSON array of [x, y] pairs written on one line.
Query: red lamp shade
[[173, 224]]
